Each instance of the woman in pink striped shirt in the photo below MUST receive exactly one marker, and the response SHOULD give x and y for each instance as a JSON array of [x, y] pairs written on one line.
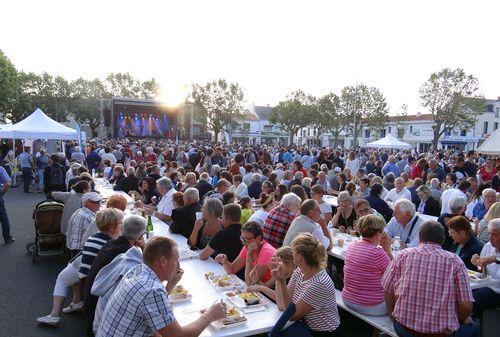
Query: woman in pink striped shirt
[[365, 263]]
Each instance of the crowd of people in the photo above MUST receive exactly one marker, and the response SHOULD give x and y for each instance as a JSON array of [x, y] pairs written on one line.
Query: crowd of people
[[265, 219]]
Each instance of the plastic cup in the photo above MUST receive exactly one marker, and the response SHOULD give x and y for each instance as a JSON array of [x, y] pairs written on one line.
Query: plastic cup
[[199, 215]]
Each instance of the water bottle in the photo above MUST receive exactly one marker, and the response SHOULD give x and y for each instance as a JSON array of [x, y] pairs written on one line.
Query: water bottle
[[396, 246]]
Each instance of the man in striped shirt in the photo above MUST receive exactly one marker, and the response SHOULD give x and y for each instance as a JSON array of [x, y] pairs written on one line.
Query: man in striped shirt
[[80, 221], [427, 289]]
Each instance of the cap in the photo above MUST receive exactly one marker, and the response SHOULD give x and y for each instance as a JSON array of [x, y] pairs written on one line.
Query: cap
[[338, 170], [91, 196], [279, 165]]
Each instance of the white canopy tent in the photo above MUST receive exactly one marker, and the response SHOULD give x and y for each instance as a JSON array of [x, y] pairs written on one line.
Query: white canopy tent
[[38, 126], [389, 142], [490, 145]]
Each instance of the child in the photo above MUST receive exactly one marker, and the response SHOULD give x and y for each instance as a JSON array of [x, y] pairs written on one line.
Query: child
[[246, 209]]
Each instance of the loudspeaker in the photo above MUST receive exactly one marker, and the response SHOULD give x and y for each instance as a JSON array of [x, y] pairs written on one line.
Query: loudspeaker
[[107, 117]]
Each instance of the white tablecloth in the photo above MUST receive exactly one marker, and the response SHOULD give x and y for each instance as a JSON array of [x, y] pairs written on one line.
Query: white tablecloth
[[205, 295]]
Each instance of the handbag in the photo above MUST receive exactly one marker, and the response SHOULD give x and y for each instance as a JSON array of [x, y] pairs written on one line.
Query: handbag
[[297, 329]]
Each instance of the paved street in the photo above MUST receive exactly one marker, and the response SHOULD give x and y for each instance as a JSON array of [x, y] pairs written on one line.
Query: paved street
[[26, 287]]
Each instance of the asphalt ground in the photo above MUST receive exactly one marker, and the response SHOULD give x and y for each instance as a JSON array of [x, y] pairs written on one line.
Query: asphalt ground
[[26, 287]]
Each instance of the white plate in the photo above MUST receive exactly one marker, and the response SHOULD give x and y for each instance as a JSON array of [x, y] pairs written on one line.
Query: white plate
[[234, 282], [178, 300], [187, 254], [240, 303], [217, 325]]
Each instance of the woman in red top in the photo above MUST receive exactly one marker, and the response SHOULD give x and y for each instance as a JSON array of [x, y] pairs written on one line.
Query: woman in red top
[[297, 167], [487, 172], [418, 169]]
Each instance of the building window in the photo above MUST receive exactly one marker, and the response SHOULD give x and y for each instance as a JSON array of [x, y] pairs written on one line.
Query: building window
[[382, 133], [411, 129], [485, 128], [489, 108], [497, 111], [447, 132], [367, 133], [463, 133], [495, 126], [389, 129]]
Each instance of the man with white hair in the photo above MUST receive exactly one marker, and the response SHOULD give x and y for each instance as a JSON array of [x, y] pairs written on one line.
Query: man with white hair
[[489, 198], [203, 185], [405, 223], [164, 209], [398, 192], [391, 166], [280, 173], [434, 187], [183, 218], [280, 219], [489, 297], [78, 155], [255, 187]]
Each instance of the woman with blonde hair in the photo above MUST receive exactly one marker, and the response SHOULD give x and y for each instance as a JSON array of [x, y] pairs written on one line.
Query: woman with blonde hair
[[365, 263], [345, 216], [481, 229], [110, 224], [310, 289]]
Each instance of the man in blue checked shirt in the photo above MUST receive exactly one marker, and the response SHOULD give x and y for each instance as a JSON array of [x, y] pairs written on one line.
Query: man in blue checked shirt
[[139, 305], [4, 218]]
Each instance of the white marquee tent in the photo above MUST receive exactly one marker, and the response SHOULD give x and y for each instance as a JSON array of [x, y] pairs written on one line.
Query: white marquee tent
[[38, 126], [490, 145], [389, 142]]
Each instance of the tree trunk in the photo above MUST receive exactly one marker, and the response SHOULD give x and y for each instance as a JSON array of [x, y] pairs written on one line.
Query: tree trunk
[[93, 131], [435, 138]]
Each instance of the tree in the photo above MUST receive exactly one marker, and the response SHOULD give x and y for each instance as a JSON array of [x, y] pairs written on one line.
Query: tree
[[219, 104], [150, 89], [366, 106], [453, 100], [294, 113], [9, 87], [400, 118], [330, 116], [86, 95]]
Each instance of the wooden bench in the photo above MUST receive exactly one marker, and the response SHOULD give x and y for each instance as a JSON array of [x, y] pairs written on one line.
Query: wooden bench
[[381, 323]]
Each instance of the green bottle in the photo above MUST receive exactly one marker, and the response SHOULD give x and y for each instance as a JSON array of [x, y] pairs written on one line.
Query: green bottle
[[149, 227]]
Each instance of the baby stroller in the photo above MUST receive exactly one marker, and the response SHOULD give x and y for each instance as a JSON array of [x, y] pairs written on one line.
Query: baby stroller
[[49, 240]]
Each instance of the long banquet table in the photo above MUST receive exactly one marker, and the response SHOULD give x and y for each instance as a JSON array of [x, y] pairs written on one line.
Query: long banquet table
[[259, 320]]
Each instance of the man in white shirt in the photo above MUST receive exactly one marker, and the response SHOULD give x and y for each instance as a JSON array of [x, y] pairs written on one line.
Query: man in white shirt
[[398, 192], [108, 155], [447, 195], [239, 188], [489, 297], [280, 173], [405, 223], [163, 210], [310, 221]]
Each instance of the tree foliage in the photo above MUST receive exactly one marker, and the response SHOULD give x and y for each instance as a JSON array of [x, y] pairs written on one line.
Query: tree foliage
[[126, 85], [294, 113], [330, 117], [85, 96], [219, 104], [453, 99], [365, 106], [9, 86]]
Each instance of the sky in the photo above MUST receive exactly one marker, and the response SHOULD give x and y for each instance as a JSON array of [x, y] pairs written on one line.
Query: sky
[[270, 48]]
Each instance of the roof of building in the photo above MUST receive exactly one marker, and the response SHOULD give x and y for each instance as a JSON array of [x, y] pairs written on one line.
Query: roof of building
[[263, 112], [412, 118], [251, 117]]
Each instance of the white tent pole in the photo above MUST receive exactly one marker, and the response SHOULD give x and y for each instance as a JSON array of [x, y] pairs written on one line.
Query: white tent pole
[[13, 163]]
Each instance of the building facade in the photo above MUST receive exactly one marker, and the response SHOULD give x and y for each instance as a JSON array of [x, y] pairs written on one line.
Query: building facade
[[257, 129]]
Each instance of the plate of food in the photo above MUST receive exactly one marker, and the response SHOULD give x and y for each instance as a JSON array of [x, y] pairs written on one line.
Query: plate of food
[[246, 299], [234, 317], [477, 276], [179, 294], [224, 282]]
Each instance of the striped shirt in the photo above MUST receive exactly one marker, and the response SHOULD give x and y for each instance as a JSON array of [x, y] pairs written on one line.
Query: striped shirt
[[427, 282], [318, 292], [90, 250], [364, 266], [78, 225]]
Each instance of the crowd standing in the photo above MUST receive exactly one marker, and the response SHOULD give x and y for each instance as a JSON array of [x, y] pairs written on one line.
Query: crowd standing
[[260, 212]]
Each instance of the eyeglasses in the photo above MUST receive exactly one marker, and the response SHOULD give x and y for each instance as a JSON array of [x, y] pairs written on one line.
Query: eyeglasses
[[246, 240]]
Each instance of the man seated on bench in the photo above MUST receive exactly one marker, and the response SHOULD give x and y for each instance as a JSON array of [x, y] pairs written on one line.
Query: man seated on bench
[[434, 295]]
